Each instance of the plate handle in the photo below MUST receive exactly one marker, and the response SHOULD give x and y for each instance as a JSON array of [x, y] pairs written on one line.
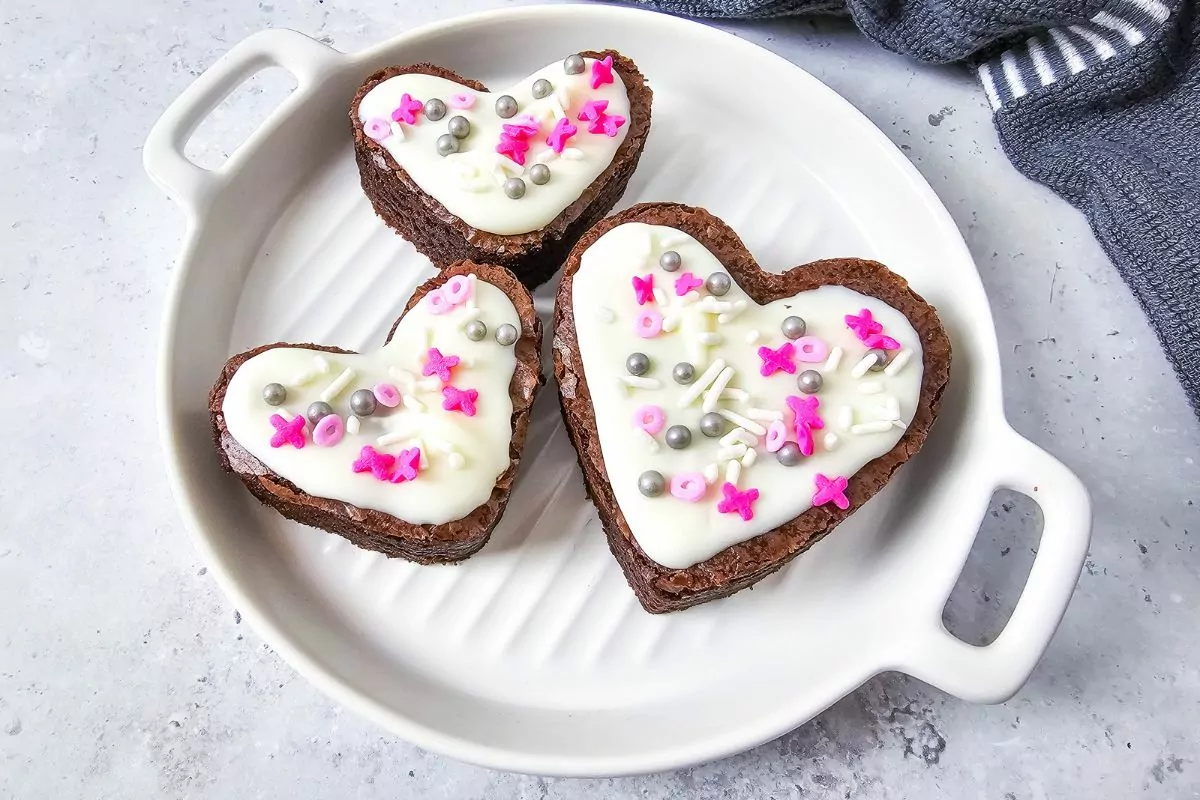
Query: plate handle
[[995, 672], [192, 186]]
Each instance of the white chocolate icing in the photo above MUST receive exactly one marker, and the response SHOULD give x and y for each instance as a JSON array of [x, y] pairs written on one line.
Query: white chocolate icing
[[462, 456], [469, 183], [679, 534]]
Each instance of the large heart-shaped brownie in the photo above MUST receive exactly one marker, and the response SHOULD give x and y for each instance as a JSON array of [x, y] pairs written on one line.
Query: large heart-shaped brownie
[[511, 178], [410, 450], [727, 418]]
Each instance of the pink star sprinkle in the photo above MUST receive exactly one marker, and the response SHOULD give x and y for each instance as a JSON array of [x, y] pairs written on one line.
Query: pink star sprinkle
[[882, 342], [593, 110], [372, 461], [408, 464], [563, 130], [608, 125], [686, 282], [807, 420], [863, 324], [739, 502], [438, 364], [602, 72], [513, 147], [463, 400], [408, 110], [644, 288], [781, 360], [523, 129], [288, 432], [804, 440], [831, 491]]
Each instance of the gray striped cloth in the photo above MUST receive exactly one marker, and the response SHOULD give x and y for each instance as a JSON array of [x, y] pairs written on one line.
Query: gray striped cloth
[[1099, 101]]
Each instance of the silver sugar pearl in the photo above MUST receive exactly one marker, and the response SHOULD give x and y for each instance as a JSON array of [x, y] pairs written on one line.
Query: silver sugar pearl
[[793, 327], [506, 106], [678, 437], [446, 144], [670, 261], [539, 174], [789, 454], [718, 284], [637, 364], [318, 411], [435, 109], [362, 402], [476, 331], [809, 381], [881, 358], [651, 483], [459, 127], [274, 394], [542, 88], [574, 64], [514, 188], [683, 373], [712, 425], [506, 335]]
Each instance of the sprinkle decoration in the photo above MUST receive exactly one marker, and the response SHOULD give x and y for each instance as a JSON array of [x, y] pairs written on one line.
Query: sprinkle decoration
[[688, 486], [372, 461], [650, 418], [562, 133], [328, 431], [830, 490], [377, 128], [643, 288], [408, 464], [811, 350], [462, 100], [686, 283], [648, 323], [439, 365], [602, 72], [741, 503], [863, 324], [408, 110], [455, 399], [457, 290], [806, 420], [776, 436], [777, 360], [514, 147], [288, 432], [598, 120], [881, 341], [387, 395]]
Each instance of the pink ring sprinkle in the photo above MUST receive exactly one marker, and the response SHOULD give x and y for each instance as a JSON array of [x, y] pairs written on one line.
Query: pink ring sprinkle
[[377, 128], [776, 436], [689, 486], [387, 395], [650, 418], [810, 349], [648, 323], [437, 302], [457, 290], [329, 431], [462, 100]]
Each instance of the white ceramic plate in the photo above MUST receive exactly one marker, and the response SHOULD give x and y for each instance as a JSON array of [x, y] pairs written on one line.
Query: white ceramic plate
[[534, 655]]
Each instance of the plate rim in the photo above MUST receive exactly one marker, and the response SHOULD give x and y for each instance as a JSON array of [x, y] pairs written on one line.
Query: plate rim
[[983, 403]]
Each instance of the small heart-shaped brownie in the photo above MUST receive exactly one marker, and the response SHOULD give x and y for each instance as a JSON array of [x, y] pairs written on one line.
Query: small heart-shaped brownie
[[513, 178], [727, 418], [410, 450]]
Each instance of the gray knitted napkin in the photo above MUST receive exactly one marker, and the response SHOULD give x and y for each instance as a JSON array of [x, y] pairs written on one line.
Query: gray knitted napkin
[[1099, 101]]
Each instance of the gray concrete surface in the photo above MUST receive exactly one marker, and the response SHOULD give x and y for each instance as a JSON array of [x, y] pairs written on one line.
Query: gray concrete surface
[[124, 672]]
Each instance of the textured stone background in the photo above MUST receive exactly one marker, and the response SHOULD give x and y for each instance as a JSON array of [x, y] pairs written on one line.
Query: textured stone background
[[124, 673]]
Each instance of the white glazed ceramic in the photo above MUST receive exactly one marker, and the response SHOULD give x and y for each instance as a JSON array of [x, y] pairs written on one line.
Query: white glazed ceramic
[[534, 655]]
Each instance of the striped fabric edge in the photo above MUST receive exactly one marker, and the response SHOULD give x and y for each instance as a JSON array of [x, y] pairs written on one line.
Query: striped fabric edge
[[1057, 53]]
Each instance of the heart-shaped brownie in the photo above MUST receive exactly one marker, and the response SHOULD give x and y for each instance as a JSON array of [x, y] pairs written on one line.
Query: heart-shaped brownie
[[511, 178], [410, 450], [727, 418]]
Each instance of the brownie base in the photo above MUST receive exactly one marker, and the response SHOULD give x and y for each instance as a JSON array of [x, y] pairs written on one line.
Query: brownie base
[[443, 238], [375, 530], [661, 589]]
